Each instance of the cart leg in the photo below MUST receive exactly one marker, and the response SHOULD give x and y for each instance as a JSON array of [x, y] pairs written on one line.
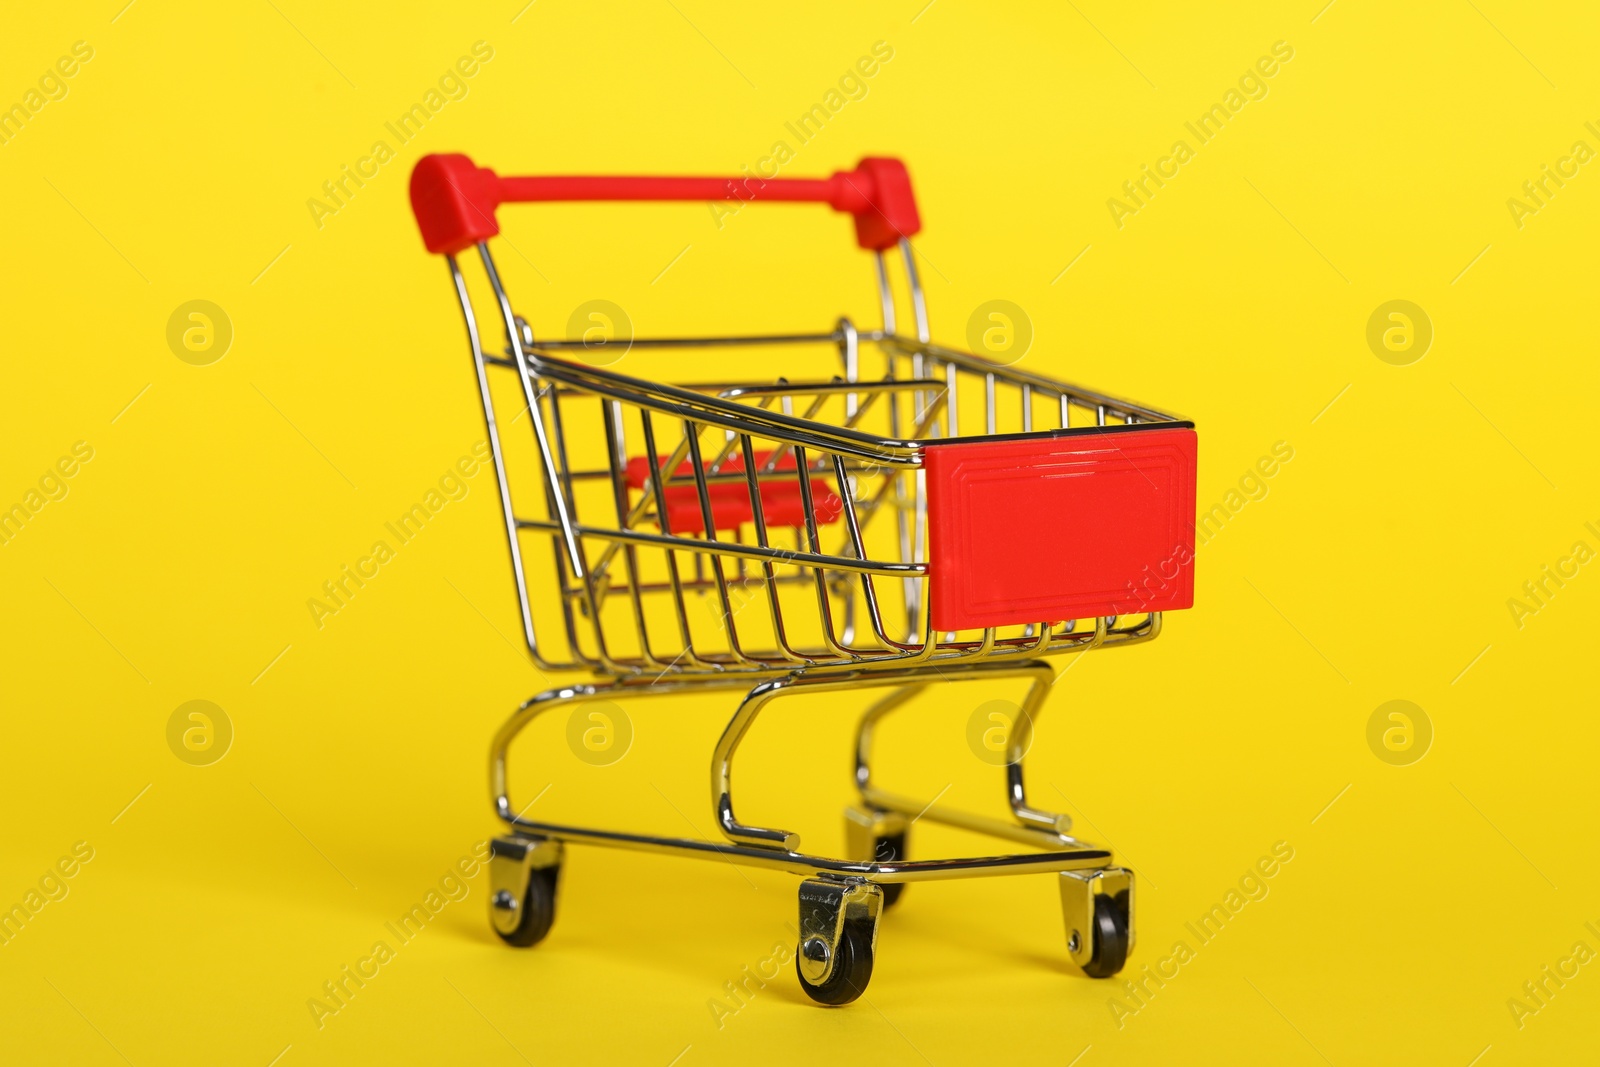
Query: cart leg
[[1098, 909], [722, 766], [1040, 676], [524, 874], [865, 728], [1043, 676], [1033, 820], [566, 697], [838, 938]]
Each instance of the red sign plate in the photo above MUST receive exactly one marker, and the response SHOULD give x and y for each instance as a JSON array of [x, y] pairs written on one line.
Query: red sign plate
[[1045, 529]]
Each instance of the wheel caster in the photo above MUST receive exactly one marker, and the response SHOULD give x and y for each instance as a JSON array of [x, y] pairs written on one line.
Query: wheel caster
[[1098, 907], [838, 938], [524, 875], [879, 836], [1110, 933]]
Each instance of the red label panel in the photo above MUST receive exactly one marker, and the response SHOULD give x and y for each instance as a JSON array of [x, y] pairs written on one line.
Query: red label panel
[[781, 502], [1050, 529]]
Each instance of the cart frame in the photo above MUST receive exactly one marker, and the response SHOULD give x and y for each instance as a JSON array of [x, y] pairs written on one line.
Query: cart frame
[[841, 900]]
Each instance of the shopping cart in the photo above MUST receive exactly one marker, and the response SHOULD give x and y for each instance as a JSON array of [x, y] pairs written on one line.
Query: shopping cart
[[921, 516]]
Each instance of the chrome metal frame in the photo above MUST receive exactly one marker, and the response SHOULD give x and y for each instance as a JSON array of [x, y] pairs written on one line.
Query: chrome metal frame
[[779, 849], [619, 570], [918, 397]]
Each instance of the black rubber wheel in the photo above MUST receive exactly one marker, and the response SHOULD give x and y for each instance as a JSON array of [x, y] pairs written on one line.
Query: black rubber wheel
[[1110, 935], [852, 967], [538, 912], [892, 847]]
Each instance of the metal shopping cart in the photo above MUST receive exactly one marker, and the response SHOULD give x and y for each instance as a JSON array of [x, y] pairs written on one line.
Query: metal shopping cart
[[922, 515]]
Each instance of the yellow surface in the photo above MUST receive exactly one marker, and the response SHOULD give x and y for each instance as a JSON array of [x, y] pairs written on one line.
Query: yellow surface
[[1375, 565]]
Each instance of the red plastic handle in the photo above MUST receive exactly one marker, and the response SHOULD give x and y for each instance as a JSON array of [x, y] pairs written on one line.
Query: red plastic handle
[[455, 200]]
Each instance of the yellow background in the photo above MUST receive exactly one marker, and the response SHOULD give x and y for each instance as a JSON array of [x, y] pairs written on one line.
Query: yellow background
[[1377, 567]]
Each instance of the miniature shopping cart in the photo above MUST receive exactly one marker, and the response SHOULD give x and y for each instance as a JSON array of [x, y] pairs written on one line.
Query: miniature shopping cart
[[910, 515]]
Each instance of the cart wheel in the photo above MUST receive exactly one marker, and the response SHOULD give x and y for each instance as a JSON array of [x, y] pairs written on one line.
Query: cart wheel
[[1110, 939], [852, 965], [885, 849], [538, 909]]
